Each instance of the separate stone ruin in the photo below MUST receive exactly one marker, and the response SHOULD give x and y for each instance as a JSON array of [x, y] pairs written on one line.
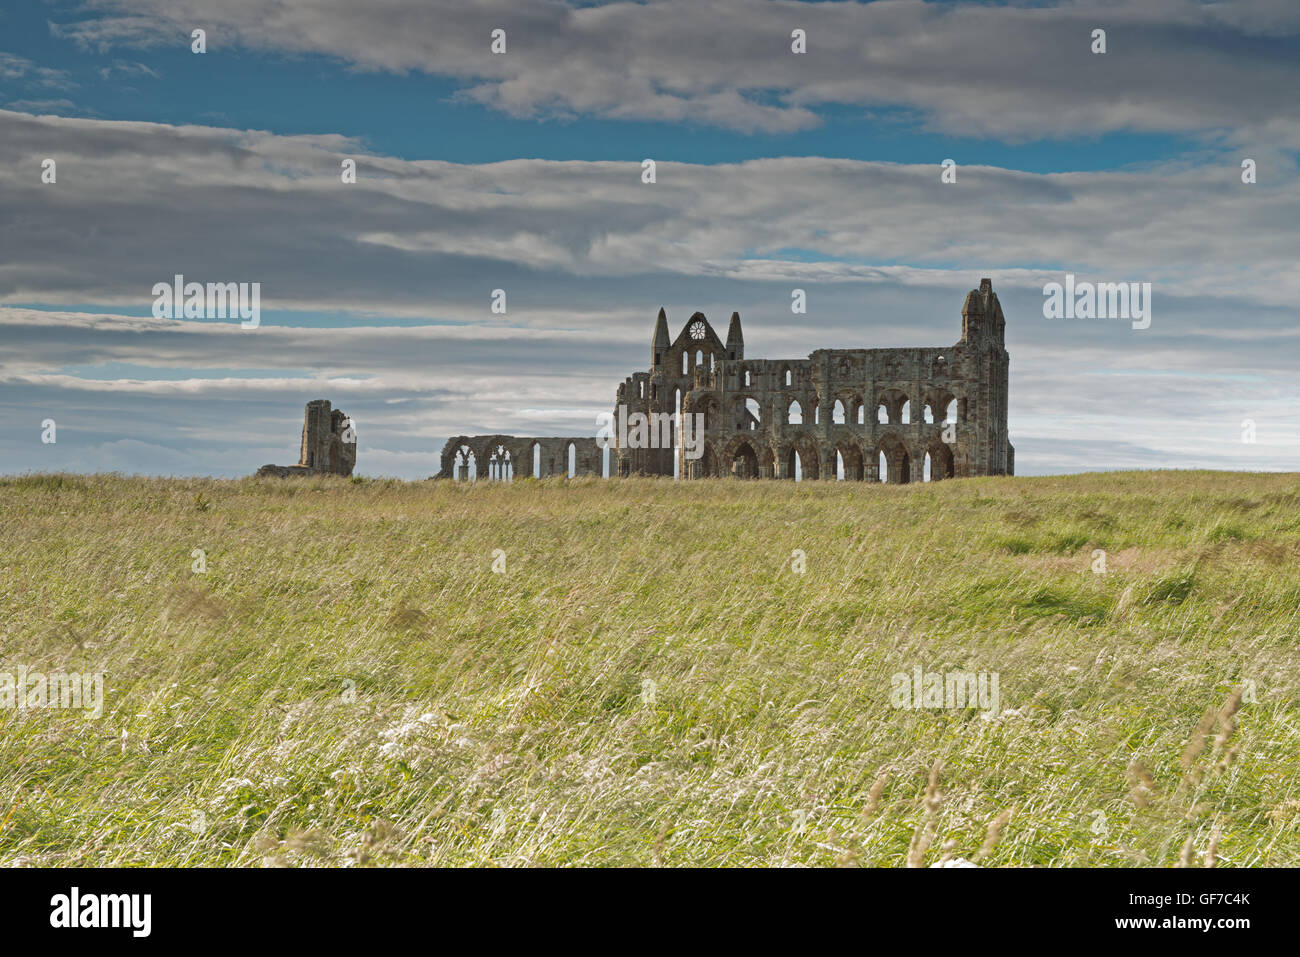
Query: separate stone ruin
[[506, 457], [329, 444], [894, 415]]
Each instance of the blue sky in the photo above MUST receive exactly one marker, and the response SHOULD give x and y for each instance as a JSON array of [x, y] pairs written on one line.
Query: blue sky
[[417, 116], [521, 172]]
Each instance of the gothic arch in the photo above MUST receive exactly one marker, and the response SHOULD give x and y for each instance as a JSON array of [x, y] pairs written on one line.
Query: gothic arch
[[937, 401], [706, 466], [705, 402], [810, 464], [466, 463], [450, 452], [851, 459], [530, 461], [941, 460], [898, 462], [854, 408], [501, 464], [893, 401], [740, 458], [746, 413]]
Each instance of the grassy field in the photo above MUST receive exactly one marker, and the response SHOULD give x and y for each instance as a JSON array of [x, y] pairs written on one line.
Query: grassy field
[[653, 675]]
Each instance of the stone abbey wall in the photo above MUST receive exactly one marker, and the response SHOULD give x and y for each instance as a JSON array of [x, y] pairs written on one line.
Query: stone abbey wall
[[837, 409], [938, 411], [505, 457]]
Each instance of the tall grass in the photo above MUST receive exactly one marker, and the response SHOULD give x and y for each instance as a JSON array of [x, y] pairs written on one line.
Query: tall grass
[[650, 681]]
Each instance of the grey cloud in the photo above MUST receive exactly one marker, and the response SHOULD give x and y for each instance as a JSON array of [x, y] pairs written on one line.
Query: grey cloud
[[1011, 70], [422, 238]]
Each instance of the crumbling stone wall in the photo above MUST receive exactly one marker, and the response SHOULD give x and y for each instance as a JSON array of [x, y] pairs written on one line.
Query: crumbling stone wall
[[838, 407], [510, 456], [329, 445]]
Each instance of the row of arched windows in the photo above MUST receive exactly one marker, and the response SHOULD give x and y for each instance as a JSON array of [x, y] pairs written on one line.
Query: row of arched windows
[[840, 415], [786, 375], [703, 359], [893, 466], [501, 465]]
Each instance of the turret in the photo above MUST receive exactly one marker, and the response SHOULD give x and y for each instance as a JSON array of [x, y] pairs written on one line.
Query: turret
[[661, 341], [985, 449], [981, 316], [735, 338]]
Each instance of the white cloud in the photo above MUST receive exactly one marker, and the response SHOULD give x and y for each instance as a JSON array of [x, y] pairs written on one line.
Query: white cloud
[[14, 67]]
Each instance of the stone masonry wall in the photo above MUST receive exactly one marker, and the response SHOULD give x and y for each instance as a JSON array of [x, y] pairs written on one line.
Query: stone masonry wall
[[328, 447]]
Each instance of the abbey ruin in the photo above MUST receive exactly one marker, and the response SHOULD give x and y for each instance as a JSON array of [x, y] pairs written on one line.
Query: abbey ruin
[[329, 444], [894, 415]]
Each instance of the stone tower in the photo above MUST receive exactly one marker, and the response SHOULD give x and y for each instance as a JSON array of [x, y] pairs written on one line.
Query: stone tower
[[735, 338], [987, 450], [660, 344], [329, 444], [324, 448]]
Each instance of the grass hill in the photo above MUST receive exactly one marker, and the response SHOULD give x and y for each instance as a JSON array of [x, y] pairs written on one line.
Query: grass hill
[[655, 673]]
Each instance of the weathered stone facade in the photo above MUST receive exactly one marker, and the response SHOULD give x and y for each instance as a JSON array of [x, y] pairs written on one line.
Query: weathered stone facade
[[329, 444], [504, 457], [838, 411], [864, 414]]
